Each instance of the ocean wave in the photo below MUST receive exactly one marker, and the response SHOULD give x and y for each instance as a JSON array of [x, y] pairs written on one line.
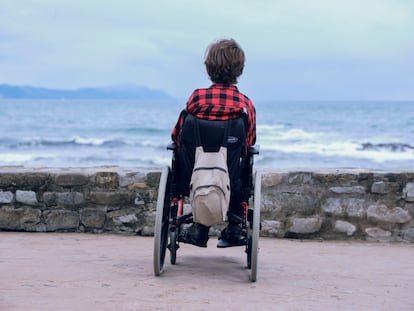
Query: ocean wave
[[75, 141], [277, 138], [380, 154], [65, 158], [281, 141], [16, 158], [394, 147]]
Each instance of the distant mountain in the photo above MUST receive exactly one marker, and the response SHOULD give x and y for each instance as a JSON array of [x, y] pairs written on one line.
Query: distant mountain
[[129, 91]]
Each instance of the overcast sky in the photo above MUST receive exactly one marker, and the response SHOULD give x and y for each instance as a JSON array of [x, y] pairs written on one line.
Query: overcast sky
[[295, 49]]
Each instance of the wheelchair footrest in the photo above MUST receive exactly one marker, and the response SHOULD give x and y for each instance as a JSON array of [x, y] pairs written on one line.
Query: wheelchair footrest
[[224, 244]]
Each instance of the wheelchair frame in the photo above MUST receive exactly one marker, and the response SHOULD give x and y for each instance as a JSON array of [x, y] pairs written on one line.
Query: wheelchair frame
[[170, 217]]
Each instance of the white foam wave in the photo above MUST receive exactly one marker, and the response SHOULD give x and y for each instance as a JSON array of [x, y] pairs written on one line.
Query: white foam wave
[[279, 133], [18, 158], [88, 141]]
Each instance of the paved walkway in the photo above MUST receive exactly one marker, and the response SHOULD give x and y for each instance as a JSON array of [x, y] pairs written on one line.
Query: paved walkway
[[68, 271]]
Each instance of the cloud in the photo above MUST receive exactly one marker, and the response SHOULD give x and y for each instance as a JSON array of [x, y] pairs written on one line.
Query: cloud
[[161, 43]]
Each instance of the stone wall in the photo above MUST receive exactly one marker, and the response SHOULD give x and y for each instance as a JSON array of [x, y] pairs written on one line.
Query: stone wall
[[339, 204], [105, 199], [326, 204]]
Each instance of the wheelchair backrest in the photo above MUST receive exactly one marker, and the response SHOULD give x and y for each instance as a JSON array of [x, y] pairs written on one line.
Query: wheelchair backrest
[[212, 132]]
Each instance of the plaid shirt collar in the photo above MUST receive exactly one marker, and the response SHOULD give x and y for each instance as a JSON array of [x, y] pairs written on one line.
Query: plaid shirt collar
[[224, 86]]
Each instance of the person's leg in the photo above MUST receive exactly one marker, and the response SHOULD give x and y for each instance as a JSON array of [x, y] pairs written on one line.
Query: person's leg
[[232, 233]]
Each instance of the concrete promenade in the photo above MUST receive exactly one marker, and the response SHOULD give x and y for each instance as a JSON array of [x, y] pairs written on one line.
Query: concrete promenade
[[74, 271]]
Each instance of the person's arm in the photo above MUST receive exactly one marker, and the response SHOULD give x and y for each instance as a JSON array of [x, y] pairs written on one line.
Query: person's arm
[[176, 131], [251, 121]]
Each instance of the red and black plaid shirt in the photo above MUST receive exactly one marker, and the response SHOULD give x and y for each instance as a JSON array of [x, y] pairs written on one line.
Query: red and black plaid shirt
[[219, 102]]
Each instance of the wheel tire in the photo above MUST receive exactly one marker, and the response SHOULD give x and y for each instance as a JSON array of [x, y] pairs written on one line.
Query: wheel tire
[[162, 219], [254, 249], [249, 253], [173, 247]]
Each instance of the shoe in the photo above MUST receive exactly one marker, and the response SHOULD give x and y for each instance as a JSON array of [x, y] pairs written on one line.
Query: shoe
[[231, 236], [196, 234]]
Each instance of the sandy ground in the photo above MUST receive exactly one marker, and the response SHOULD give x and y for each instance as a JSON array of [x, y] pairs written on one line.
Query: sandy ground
[[67, 271]]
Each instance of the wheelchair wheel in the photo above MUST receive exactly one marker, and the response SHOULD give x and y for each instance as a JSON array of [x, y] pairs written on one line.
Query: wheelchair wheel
[[162, 221], [253, 242]]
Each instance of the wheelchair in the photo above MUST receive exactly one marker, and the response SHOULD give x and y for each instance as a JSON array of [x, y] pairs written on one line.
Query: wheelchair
[[173, 189]]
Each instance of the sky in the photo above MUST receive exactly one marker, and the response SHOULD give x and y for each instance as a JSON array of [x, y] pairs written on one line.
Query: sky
[[295, 50]]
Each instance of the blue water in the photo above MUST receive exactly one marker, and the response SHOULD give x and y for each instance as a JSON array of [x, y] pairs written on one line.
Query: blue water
[[65, 133]]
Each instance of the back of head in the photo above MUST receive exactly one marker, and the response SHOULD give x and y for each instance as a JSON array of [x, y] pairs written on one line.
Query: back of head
[[224, 61]]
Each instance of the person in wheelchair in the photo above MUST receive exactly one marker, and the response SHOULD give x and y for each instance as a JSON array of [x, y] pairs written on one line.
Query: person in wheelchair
[[220, 102]]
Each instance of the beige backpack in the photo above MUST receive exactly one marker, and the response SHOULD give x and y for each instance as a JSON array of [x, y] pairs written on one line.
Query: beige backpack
[[210, 183]]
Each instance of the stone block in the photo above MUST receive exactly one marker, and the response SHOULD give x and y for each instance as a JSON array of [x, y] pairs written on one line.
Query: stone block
[[303, 203], [271, 228], [68, 199], [378, 234], [147, 231], [409, 234], [126, 220], [348, 190], [352, 207], [26, 197], [68, 180], [305, 225], [336, 179], [61, 220], [355, 207], [391, 184], [112, 198], [138, 200], [131, 178], [344, 227], [24, 218], [153, 179], [107, 180], [50, 198], [333, 206], [26, 181], [149, 222], [65, 199], [378, 187], [6, 197], [408, 192], [300, 178], [7, 180], [93, 218], [271, 180], [383, 213]]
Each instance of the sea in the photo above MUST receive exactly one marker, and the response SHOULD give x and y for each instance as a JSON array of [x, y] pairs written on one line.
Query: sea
[[129, 133]]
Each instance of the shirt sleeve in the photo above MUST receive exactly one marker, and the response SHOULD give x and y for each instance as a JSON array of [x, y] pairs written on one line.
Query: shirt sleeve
[[251, 131], [176, 131]]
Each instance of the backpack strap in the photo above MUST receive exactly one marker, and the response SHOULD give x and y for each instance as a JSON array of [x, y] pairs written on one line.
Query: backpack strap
[[225, 134]]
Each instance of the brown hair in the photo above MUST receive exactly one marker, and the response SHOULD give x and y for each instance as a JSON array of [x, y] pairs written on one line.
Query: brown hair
[[224, 61]]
